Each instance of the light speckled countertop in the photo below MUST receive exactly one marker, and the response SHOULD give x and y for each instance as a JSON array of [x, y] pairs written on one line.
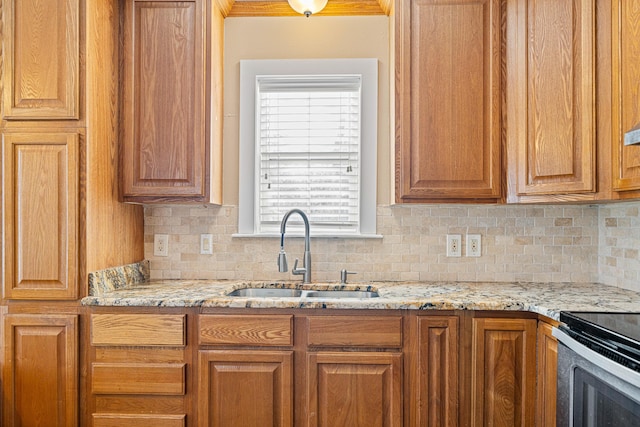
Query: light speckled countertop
[[117, 288]]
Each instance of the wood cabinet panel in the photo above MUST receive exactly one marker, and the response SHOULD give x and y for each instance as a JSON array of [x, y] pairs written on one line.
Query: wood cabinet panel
[[354, 389], [448, 100], [135, 420], [625, 31], [109, 404], [138, 329], [138, 378], [40, 215], [354, 331], [269, 330], [547, 381], [245, 388], [333, 8], [40, 370], [164, 141], [41, 59], [113, 231], [434, 389], [503, 376], [550, 97], [149, 354], [139, 368]]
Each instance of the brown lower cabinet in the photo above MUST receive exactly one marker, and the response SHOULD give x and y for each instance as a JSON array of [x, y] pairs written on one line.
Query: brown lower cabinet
[[272, 367], [245, 388], [40, 370], [503, 372], [433, 382], [139, 368], [547, 376]]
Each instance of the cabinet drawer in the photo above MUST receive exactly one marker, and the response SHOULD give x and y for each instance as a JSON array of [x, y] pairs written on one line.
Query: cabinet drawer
[[138, 329], [268, 330], [138, 378], [138, 420], [354, 331]]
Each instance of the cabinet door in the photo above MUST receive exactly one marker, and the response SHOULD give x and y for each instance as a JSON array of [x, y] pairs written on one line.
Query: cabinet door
[[40, 215], [354, 389], [550, 97], [40, 373], [503, 372], [245, 388], [435, 382], [41, 59], [625, 92], [448, 99], [164, 148], [547, 376]]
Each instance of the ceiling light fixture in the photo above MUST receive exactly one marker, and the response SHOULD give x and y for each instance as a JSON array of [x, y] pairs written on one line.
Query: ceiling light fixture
[[307, 7]]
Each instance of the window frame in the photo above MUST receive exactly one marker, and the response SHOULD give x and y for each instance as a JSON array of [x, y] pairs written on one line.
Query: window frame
[[249, 70]]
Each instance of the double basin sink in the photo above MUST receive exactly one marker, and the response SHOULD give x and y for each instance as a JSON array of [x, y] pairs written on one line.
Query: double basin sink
[[301, 293]]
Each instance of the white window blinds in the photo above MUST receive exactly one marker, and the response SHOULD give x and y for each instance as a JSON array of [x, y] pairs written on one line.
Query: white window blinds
[[308, 150]]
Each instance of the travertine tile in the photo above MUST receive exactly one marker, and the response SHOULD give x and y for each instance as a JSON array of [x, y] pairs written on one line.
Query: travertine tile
[[534, 243]]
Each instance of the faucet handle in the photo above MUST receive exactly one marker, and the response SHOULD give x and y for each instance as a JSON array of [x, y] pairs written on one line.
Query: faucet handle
[[298, 271], [343, 276]]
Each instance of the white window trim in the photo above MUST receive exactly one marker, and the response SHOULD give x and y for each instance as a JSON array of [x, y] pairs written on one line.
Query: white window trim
[[249, 69]]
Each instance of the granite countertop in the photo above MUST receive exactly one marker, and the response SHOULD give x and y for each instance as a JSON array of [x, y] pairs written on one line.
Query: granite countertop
[[129, 286]]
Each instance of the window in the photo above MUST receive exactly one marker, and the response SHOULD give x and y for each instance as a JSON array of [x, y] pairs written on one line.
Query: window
[[308, 140]]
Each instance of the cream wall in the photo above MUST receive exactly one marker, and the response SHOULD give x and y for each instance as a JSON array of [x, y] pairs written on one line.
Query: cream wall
[[303, 38]]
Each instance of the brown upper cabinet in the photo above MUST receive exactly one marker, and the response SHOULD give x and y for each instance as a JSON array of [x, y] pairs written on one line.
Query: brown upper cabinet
[[550, 126], [536, 95], [41, 68], [171, 104], [625, 92], [448, 100]]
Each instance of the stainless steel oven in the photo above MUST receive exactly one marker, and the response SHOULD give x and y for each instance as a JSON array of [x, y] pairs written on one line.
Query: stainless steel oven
[[598, 370]]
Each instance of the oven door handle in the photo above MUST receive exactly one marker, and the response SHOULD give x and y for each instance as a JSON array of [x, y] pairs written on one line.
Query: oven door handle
[[625, 374]]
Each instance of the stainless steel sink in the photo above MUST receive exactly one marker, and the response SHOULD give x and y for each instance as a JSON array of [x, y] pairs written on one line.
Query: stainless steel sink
[[266, 293], [338, 293], [300, 293]]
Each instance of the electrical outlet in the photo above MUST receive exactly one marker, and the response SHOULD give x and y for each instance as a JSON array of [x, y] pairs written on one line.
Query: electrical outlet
[[206, 244], [161, 244], [474, 245], [454, 245]]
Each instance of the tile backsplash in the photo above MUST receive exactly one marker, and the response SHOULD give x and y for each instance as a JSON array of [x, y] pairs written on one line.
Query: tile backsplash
[[619, 245], [551, 243]]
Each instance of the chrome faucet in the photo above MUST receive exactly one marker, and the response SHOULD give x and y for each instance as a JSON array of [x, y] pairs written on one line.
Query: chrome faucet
[[305, 271]]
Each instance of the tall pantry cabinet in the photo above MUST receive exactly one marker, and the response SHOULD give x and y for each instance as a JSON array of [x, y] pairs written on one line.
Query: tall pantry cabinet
[[60, 212]]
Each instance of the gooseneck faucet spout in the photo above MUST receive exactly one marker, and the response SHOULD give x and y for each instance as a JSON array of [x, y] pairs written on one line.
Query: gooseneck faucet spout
[[305, 271]]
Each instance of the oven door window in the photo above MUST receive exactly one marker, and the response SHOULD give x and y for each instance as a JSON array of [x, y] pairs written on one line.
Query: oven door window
[[598, 405]]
